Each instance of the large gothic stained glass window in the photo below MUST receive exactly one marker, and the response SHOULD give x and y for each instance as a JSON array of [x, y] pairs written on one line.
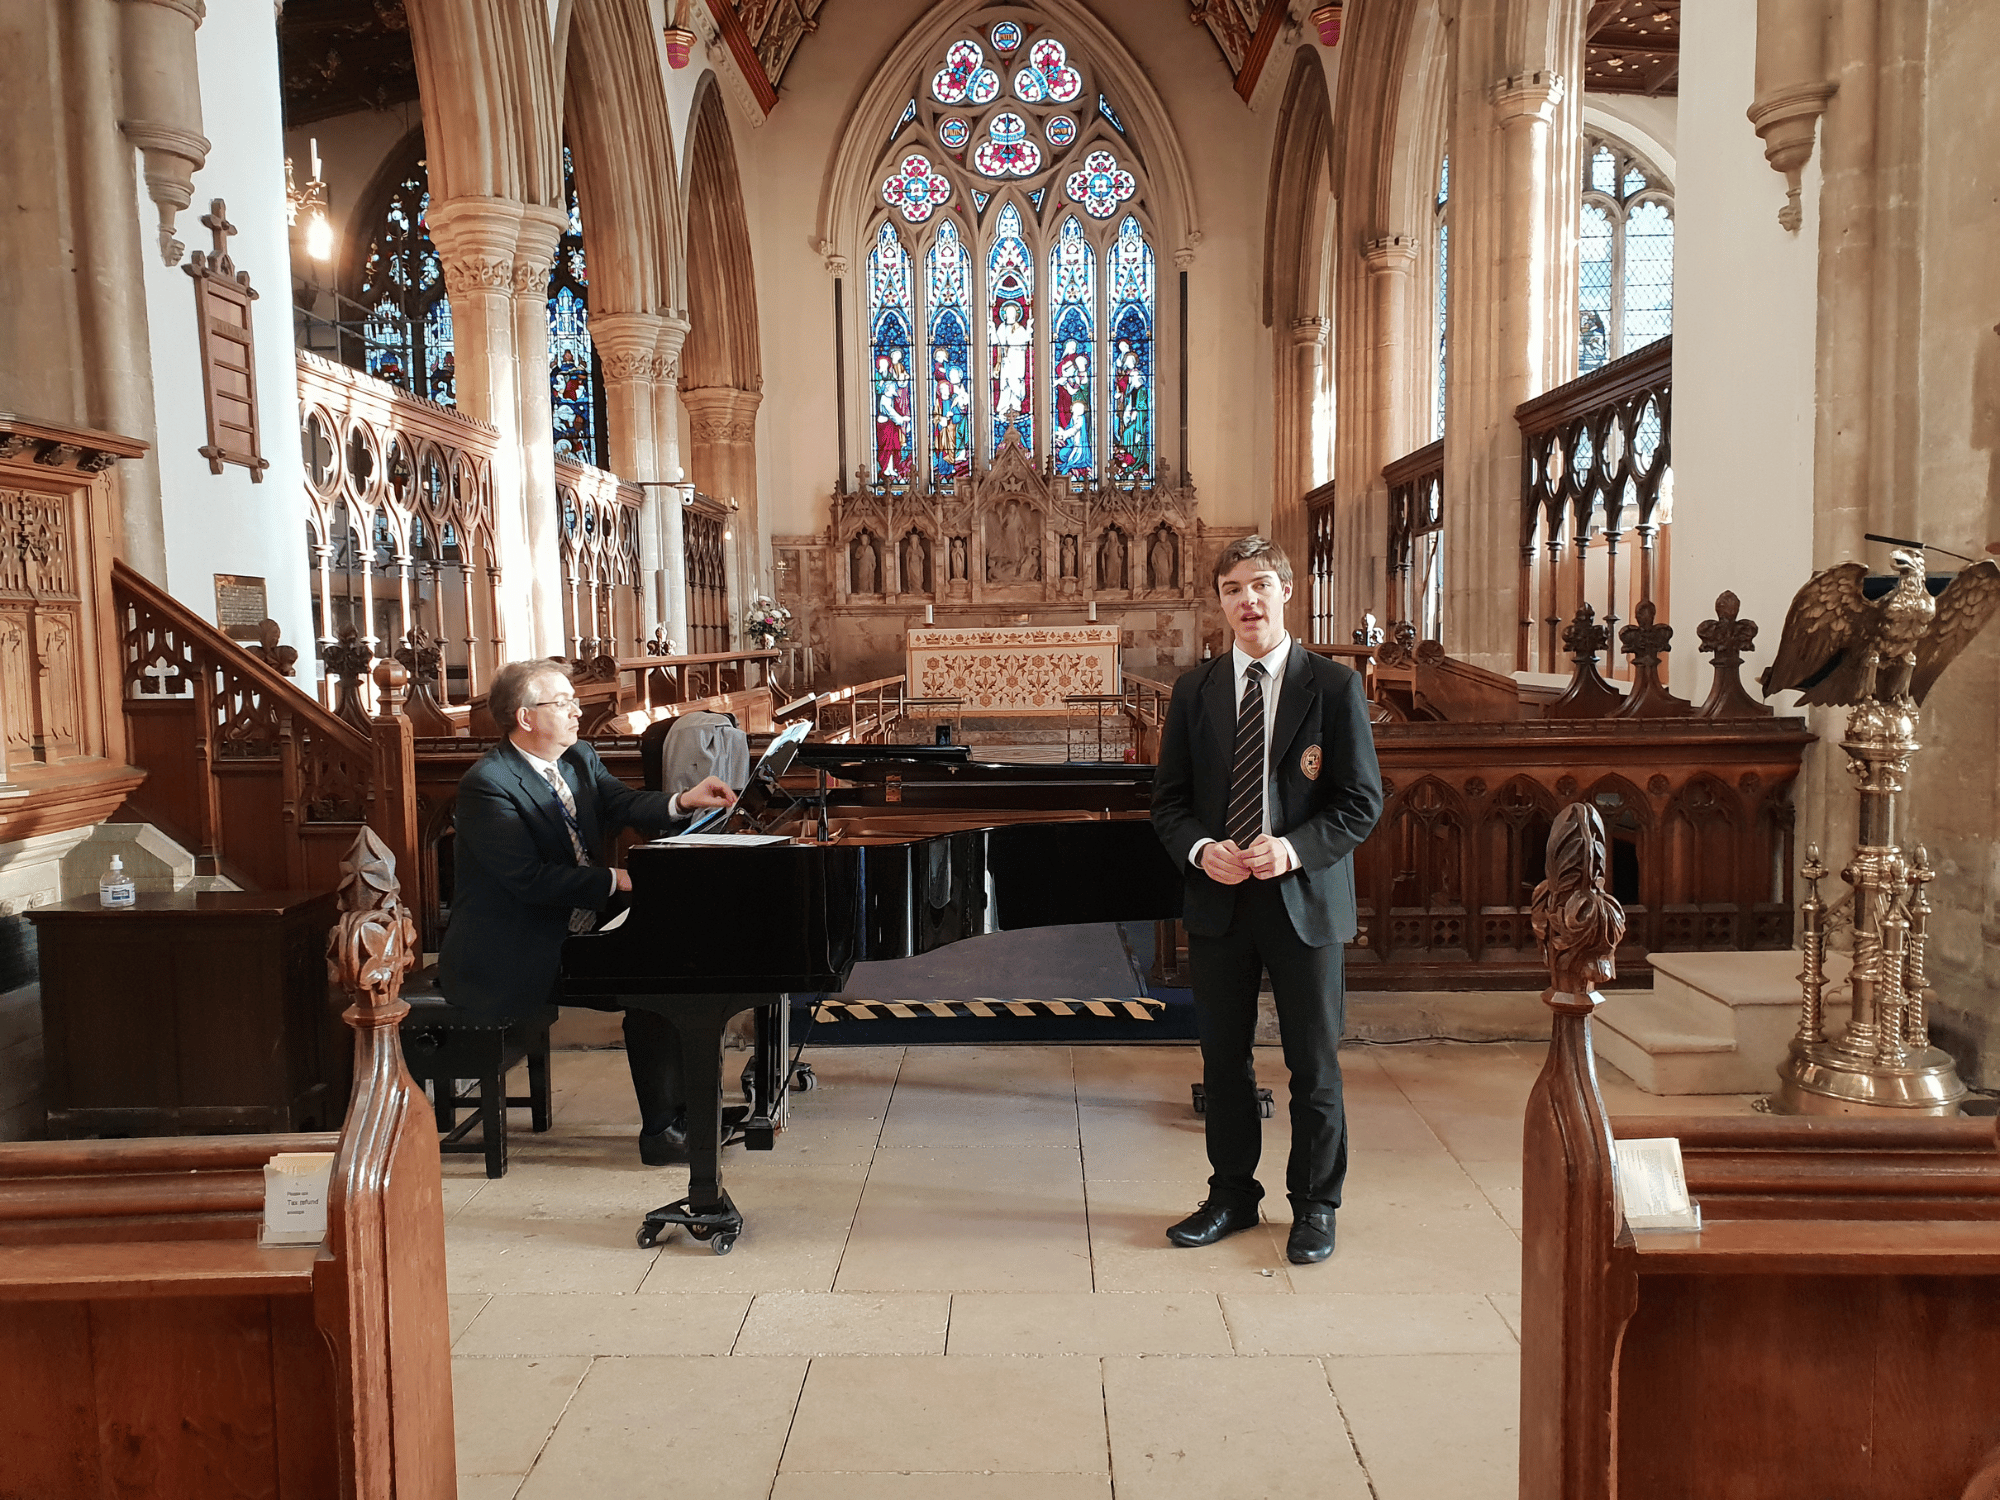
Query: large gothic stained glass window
[[1130, 262], [576, 385], [889, 322], [406, 331], [948, 294], [1023, 204], [1010, 332], [1441, 285], [1625, 254], [1072, 350]]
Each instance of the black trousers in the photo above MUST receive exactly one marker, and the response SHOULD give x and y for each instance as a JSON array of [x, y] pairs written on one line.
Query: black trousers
[[653, 1053], [1310, 988]]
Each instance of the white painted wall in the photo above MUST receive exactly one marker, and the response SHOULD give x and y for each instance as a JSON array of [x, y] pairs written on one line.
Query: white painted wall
[[225, 523], [1745, 314], [1647, 125]]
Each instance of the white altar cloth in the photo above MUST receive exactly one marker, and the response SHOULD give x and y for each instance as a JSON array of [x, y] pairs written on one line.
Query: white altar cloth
[[1014, 669]]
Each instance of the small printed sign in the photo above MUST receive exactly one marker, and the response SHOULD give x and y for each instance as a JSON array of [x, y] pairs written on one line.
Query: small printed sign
[[240, 605], [295, 1194]]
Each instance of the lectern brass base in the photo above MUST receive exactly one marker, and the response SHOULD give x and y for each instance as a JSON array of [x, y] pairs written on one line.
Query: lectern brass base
[[1820, 1078]]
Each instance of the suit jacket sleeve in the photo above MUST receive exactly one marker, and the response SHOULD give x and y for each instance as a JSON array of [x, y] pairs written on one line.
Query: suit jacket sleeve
[[1174, 817], [492, 830], [620, 806], [1338, 827]]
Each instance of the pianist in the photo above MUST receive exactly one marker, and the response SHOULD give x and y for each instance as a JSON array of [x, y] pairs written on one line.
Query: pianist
[[533, 813]]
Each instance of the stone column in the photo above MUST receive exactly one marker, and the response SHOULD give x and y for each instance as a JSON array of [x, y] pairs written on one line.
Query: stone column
[[534, 255], [1387, 416], [723, 463], [1507, 330], [670, 575], [625, 344], [475, 238], [1301, 406]]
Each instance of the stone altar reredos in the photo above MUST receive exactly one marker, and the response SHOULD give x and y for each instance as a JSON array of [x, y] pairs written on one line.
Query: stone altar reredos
[[1007, 546]]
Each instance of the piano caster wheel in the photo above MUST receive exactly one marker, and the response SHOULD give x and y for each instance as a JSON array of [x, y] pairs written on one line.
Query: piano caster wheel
[[651, 1235], [804, 1080], [723, 1243], [747, 1082]]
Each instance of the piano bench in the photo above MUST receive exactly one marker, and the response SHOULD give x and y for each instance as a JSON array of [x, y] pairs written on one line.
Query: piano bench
[[445, 1045]]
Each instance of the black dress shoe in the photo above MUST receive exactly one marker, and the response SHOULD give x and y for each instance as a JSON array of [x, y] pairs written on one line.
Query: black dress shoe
[[1311, 1239], [1211, 1222], [663, 1148]]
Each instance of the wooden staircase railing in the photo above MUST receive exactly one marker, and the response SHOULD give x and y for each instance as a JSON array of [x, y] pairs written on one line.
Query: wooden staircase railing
[[257, 780]]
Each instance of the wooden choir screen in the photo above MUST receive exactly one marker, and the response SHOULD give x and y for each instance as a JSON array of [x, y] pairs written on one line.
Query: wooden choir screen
[[399, 523], [600, 560], [1596, 464], [1416, 541], [1324, 625], [707, 578]]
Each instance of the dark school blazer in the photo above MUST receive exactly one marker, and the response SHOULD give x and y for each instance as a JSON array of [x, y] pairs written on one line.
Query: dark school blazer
[[516, 875], [1327, 799]]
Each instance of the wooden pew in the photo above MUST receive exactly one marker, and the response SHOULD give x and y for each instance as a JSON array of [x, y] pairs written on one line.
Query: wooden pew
[[1829, 1331], [150, 1346]]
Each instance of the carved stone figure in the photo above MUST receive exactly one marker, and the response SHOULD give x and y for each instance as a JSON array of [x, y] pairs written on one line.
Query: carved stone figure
[[957, 559], [1111, 560], [916, 563], [867, 565], [1068, 556], [1012, 553], [1162, 560]]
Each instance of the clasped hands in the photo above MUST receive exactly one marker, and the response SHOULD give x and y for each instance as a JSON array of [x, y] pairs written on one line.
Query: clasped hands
[[1225, 862]]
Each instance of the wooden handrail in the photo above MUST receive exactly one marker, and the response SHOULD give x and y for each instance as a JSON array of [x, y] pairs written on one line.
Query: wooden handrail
[[634, 663]]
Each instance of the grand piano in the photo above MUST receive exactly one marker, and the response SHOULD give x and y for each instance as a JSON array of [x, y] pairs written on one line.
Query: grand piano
[[839, 854]]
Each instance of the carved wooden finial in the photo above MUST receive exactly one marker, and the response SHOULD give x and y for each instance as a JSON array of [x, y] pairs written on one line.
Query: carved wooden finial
[[374, 943], [1724, 639], [1583, 637], [1646, 641], [347, 660], [1577, 921], [1588, 696]]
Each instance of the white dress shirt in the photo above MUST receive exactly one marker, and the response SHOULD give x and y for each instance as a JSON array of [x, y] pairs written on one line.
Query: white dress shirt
[[544, 767], [1273, 663]]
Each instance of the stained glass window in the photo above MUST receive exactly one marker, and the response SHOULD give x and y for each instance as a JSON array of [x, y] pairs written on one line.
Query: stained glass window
[[576, 386], [1442, 283], [1130, 273], [948, 295], [1010, 331], [405, 335], [1072, 350], [1625, 259], [890, 320]]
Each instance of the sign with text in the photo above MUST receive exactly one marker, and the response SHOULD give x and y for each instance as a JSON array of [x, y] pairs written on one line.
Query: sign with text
[[240, 606]]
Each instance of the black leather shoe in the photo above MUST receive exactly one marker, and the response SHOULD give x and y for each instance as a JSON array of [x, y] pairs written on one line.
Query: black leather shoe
[[663, 1148], [1311, 1238], [1211, 1222]]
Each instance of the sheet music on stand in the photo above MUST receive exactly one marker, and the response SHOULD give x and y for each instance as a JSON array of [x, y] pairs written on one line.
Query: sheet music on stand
[[1652, 1186], [773, 763]]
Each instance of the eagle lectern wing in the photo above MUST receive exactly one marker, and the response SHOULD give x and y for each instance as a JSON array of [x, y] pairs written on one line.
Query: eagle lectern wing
[[1962, 612], [1824, 631]]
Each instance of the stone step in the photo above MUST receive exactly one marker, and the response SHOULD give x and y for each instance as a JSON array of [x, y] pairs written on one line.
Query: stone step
[[1713, 1023]]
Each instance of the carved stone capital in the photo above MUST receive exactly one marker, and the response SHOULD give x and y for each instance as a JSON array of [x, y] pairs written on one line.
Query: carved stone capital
[[626, 343], [836, 265], [1528, 96], [1309, 333], [1390, 255], [722, 414], [673, 334], [475, 238], [1785, 119], [535, 248], [1183, 257]]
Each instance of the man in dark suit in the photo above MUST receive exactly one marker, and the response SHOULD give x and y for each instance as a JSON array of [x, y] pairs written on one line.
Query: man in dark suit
[[1267, 783], [533, 813]]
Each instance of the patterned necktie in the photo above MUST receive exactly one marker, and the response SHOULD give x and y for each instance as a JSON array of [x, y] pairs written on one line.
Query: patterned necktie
[[1246, 775], [581, 918]]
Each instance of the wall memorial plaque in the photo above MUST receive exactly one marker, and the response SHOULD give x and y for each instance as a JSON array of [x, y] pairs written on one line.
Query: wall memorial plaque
[[239, 606]]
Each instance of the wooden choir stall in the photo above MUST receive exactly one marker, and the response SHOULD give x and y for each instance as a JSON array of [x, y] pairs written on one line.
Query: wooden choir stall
[[1831, 1329], [150, 1345]]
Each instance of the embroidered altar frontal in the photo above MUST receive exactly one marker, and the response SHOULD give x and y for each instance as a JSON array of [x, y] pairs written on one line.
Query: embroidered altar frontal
[[1021, 669]]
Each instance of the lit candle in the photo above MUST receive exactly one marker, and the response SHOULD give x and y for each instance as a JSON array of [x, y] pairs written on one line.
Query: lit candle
[[1093, 611], [930, 614]]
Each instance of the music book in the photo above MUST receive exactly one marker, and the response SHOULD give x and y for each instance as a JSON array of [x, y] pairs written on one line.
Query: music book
[[295, 1194], [1652, 1186], [720, 840]]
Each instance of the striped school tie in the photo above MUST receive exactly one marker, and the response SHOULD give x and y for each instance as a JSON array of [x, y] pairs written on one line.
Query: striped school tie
[[1247, 766], [581, 918]]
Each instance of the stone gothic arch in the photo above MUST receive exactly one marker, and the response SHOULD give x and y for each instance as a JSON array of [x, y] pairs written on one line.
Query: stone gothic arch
[[722, 364], [1299, 259]]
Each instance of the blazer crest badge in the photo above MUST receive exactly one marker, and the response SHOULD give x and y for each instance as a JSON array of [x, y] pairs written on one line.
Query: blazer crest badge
[[1309, 762]]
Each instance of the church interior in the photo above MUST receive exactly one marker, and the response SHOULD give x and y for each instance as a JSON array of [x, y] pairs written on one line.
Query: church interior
[[1621, 379]]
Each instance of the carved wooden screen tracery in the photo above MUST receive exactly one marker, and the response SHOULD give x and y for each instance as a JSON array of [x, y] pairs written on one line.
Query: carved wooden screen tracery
[[399, 522], [599, 542], [707, 577]]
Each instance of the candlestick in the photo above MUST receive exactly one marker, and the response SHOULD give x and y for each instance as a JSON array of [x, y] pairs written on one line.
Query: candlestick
[[1093, 611], [930, 614]]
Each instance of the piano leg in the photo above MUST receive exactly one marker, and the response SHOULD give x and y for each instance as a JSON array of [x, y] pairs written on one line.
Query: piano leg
[[707, 1212]]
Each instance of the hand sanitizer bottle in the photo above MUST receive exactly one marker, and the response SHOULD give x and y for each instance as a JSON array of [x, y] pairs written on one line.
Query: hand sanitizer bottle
[[116, 888]]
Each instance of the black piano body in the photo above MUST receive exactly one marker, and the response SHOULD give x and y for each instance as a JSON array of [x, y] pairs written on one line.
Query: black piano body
[[903, 857]]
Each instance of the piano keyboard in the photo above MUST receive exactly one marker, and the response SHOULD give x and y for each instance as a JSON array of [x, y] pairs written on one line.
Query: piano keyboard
[[984, 1008]]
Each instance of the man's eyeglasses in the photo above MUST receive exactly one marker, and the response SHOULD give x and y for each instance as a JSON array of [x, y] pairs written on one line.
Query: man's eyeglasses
[[563, 704]]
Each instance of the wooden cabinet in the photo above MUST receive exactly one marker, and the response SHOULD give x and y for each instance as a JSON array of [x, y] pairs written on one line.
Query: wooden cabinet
[[193, 1014]]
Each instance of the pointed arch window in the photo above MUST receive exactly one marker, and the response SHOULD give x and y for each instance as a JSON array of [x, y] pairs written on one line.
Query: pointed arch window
[[576, 376], [1441, 283], [1018, 206], [1625, 253]]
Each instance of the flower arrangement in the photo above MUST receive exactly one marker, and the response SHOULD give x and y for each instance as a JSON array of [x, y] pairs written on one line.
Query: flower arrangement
[[767, 621]]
